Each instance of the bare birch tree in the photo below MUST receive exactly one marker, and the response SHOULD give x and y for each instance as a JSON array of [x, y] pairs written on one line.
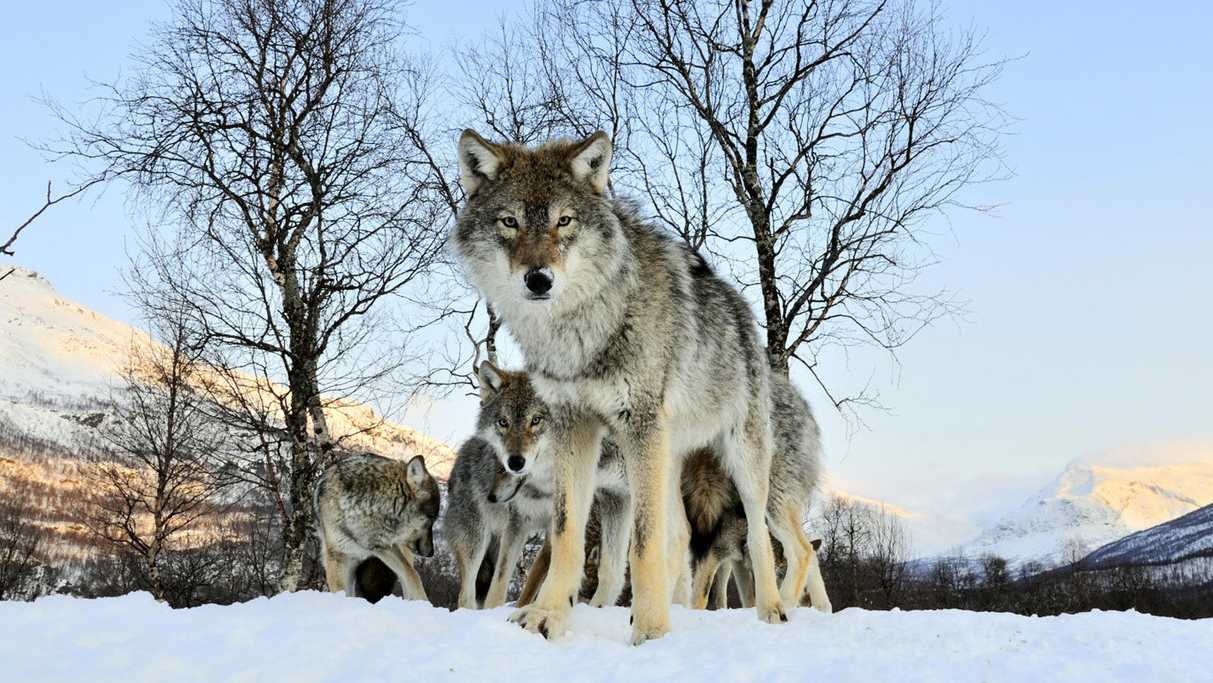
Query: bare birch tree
[[166, 468], [6, 248], [276, 134], [805, 142]]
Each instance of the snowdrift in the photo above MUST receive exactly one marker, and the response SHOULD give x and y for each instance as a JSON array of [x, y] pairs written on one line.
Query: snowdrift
[[322, 637]]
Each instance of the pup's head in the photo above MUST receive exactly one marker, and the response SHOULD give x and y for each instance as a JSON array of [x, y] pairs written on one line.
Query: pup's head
[[537, 225], [421, 510], [512, 417]]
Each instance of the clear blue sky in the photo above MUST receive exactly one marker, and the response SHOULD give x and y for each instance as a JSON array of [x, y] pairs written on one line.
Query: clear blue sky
[[1089, 290]]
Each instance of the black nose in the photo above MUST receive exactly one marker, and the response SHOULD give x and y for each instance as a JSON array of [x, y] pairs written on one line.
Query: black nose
[[515, 463], [492, 496], [538, 280]]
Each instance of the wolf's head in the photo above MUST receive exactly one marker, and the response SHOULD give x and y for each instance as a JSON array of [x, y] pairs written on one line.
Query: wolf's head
[[512, 418], [421, 511], [537, 228]]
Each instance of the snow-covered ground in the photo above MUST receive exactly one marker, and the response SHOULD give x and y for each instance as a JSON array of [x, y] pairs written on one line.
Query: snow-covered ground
[[322, 637]]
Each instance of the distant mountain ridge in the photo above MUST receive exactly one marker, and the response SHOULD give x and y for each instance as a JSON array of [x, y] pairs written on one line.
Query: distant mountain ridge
[[1181, 539], [1090, 505]]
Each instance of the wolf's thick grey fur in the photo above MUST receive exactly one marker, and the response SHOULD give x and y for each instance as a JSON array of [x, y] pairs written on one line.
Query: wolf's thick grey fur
[[717, 518], [623, 330], [370, 506], [485, 502]]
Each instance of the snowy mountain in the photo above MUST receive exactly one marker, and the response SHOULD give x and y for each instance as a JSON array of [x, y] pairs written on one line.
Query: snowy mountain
[[58, 363], [1184, 538], [1092, 504]]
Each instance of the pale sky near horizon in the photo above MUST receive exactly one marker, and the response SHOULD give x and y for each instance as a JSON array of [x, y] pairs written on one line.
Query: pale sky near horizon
[[1088, 289]]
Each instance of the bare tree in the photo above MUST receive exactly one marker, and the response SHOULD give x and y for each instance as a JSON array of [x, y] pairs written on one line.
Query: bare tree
[[818, 136], [20, 541], [165, 472], [6, 249], [277, 133], [890, 550]]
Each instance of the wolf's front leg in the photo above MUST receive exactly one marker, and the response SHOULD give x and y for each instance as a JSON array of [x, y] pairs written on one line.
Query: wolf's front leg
[[536, 574], [573, 485], [648, 468], [508, 551]]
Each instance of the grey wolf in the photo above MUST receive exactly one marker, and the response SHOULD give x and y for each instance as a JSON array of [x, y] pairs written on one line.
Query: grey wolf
[[370, 506], [623, 330], [500, 492], [717, 517]]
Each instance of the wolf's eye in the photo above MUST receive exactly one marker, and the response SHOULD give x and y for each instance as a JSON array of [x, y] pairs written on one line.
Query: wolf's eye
[[563, 221], [503, 423], [509, 221], [536, 421]]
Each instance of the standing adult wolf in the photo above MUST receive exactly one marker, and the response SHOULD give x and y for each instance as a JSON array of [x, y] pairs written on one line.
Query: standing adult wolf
[[623, 329]]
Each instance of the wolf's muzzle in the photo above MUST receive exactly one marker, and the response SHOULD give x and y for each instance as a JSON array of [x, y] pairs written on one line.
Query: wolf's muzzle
[[538, 281]]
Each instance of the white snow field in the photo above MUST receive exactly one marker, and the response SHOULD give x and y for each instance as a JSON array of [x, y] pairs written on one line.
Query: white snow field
[[323, 637]]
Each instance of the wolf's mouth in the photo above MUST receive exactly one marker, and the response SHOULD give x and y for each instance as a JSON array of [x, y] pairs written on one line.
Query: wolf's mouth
[[537, 297]]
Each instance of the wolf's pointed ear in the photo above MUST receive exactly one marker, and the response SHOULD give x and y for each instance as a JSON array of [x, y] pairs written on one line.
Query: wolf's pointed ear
[[491, 380], [416, 473], [590, 160], [479, 160]]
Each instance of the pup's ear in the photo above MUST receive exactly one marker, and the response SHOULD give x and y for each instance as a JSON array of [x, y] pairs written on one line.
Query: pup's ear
[[479, 160], [491, 380], [590, 160], [416, 474]]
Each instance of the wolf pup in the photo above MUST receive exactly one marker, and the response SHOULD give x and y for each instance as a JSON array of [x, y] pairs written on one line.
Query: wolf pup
[[623, 330], [371, 506], [501, 490], [718, 521]]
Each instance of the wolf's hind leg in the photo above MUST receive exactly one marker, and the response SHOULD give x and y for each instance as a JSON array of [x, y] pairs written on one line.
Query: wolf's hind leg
[[750, 465], [786, 527], [334, 570], [410, 581], [816, 585], [679, 542], [613, 552], [744, 578], [720, 586]]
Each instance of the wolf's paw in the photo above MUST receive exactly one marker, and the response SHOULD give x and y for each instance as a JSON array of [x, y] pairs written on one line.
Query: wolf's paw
[[772, 615], [825, 606], [641, 636], [604, 598], [548, 622], [642, 633]]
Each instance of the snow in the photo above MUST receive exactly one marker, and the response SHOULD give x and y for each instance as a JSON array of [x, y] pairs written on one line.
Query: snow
[[324, 637]]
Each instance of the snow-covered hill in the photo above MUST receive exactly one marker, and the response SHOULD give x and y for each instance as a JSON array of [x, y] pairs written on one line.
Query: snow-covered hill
[[58, 364], [310, 636], [1180, 539], [1090, 505], [56, 352]]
